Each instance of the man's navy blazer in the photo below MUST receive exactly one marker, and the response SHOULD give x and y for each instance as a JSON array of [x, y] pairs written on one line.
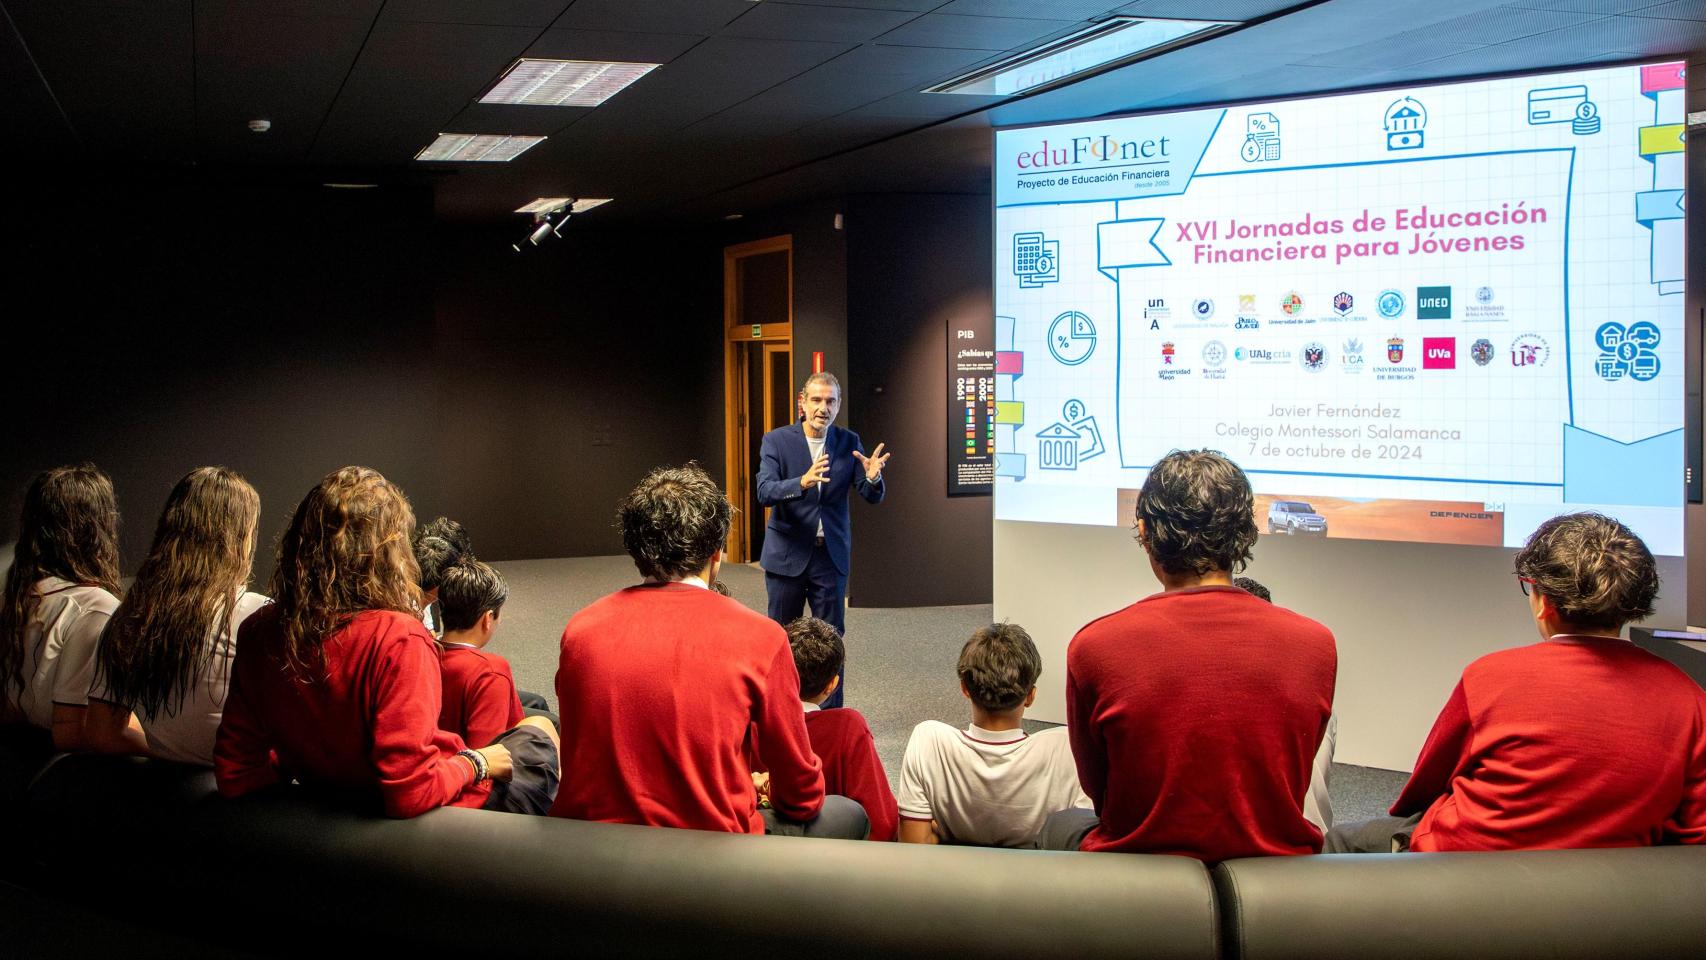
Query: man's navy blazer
[[784, 458]]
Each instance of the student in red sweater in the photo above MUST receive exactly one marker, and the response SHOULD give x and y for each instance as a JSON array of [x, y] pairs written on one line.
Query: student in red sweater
[[660, 683], [1195, 713], [480, 699], [336, 683], [1580, 740], [840, 736], [439, 543]]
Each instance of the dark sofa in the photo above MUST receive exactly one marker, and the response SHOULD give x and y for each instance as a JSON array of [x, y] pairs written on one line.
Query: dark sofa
[[138, 859]]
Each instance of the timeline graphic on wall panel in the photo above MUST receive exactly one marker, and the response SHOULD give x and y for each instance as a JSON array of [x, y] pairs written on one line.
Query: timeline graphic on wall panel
[[971, 406]]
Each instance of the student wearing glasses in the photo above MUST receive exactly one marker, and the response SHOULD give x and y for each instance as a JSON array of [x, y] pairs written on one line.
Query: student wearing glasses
[[1580, 740]]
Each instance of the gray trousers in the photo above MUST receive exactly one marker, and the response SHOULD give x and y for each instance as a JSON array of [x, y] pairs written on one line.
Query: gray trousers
[[840, 819], [1066, 829], [1380, 835]]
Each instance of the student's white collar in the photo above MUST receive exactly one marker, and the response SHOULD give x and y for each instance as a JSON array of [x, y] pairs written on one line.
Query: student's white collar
[[809, 706], [690, 581], [977, 733]]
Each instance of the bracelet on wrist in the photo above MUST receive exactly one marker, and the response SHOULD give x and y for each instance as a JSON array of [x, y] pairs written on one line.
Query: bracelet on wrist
[[478, 759]]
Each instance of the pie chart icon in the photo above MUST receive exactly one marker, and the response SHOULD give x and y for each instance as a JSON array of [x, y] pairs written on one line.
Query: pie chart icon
[[1072, 338]]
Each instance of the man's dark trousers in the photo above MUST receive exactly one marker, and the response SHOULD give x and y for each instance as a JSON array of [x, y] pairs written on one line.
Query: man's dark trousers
[[821, 587]]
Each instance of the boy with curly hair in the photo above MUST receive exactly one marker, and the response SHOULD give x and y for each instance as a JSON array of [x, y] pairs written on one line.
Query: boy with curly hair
[[1580, 740], [1195, 713]]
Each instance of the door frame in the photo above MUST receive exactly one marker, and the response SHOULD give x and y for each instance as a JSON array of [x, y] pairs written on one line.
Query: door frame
[[738, 471]]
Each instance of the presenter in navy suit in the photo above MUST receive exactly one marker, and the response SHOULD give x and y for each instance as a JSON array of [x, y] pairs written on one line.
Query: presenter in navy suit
[[805, 472]]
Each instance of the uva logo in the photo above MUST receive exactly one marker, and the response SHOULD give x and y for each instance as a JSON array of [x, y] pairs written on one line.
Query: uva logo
[[1439, 353]]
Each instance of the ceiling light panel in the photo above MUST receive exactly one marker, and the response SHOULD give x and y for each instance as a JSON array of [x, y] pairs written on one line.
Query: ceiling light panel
[[548, 204], [1099, 47], [565, 83], [545, 205], [476, 148]]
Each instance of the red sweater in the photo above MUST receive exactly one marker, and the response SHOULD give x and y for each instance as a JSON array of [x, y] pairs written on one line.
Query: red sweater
[[1194, 717], [369, 725], [1564, 743], [658, 685], [480, 701], [842, 741]]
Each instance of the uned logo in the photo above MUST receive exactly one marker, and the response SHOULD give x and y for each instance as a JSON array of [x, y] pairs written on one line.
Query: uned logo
[[1433, 303]]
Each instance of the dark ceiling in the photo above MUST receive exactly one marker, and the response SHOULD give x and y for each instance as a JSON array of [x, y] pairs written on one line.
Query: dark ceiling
[[757, 103]]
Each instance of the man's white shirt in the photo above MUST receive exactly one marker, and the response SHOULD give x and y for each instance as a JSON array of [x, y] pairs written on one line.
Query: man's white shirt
[[816, 445]]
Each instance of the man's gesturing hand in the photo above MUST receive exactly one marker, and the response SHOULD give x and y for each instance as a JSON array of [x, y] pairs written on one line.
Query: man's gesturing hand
[[873, 463], [819, 473]]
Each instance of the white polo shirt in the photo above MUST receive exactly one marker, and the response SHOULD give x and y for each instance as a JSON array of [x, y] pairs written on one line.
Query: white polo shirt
[[60, 640], [186, 736], [987, 787]]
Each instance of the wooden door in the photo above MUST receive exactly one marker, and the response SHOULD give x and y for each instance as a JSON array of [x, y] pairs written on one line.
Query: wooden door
[[758, 394]]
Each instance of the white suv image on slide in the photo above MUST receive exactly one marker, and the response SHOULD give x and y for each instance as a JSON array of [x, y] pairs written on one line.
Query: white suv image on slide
[[1295, 516]]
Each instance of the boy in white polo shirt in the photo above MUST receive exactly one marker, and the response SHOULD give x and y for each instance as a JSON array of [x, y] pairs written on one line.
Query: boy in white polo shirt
[[990, 784]]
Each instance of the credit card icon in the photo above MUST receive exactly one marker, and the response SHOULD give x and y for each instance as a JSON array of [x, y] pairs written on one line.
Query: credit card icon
[[1555, 104]]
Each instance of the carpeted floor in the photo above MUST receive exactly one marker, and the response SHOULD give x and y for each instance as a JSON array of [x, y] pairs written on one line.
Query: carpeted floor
[[900, 662]]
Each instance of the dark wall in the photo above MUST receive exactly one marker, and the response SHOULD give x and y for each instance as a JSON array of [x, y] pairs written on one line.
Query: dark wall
[[286, 331], [161, 326], [820, 283], [564, 375], [914, 263]]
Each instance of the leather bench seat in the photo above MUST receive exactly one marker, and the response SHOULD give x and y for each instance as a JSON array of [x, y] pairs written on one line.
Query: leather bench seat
[[287, 874], [150, 850], [1558, 904]]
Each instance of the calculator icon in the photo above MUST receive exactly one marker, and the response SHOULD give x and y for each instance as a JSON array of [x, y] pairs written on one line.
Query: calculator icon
[[1036, 259]]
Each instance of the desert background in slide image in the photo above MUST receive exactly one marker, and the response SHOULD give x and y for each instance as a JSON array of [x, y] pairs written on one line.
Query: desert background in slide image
[[1415, 521], [1419, 521]]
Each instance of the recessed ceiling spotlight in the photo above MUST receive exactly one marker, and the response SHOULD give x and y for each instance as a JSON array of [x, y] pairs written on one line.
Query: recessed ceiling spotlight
[[546, 223], [260, 126], [564, 83], [476, 147], [733, 216]]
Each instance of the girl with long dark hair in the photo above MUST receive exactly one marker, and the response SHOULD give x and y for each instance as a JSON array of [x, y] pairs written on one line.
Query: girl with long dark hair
[[336, 683], [166, 654], [60, 591]]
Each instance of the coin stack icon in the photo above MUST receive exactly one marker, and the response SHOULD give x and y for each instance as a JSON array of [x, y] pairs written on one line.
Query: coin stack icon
[[1587, 119]]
